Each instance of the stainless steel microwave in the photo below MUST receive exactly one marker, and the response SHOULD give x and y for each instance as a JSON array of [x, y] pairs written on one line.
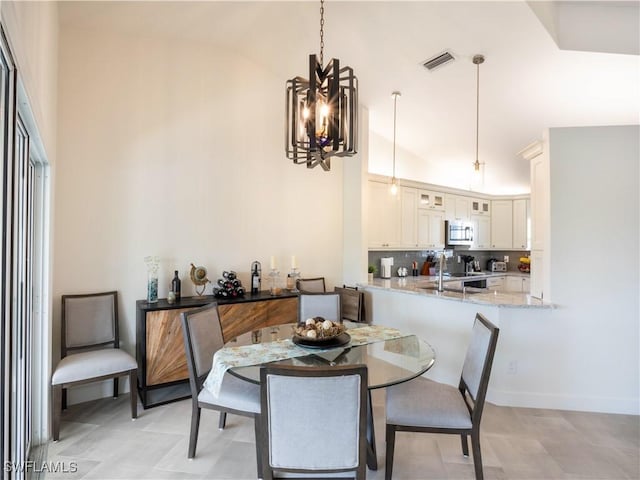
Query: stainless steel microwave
[[459, 233]]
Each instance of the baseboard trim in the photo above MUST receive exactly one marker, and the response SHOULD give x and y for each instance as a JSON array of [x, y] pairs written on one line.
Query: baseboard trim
[[616, 405]]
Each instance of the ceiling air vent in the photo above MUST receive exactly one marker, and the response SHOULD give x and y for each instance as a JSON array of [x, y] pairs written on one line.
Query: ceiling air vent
[[438, 61]]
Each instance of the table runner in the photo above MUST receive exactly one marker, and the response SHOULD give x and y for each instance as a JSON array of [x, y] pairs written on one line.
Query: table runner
[[243, 356]]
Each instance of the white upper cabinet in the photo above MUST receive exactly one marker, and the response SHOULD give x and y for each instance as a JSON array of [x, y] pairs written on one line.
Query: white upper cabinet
[[481, 232], [430, 229], [457, 207], [521, 224], [539, 201], [480, 207], [502, 224], [383, 216], [430, 200], [408, 217], [414, 218]]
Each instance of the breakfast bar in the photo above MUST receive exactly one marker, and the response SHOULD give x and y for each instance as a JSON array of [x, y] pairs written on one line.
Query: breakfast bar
[[523, 358]]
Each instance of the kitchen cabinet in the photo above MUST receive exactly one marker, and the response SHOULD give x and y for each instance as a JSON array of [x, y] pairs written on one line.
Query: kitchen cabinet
[[408, 217], [430, 229], [480, 207], [431, 200], [502, 224], [518, 284], [383, 224], [521, 224], [162, 364], [496, 284], [481, 232], [538, 274], [538, 156], [458, 207]]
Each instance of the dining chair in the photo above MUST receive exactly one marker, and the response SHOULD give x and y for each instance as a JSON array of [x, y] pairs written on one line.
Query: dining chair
[[314, 421], [90, 350], [351, 303], [326, 305], [311, 285], [202, 335], [422, 405]]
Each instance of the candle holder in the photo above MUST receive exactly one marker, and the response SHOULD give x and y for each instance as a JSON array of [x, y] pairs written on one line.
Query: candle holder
[[274, 282], [295, 274]]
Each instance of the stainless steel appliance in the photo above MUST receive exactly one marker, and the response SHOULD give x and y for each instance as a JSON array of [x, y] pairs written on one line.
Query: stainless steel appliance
[[385, 267], [458, 233], [496, 266]]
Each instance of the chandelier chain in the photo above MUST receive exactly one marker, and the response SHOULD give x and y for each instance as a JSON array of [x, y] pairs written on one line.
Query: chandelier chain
[[321, 33]]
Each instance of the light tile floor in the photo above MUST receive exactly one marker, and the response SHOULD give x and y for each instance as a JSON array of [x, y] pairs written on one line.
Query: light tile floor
[[517, 443]]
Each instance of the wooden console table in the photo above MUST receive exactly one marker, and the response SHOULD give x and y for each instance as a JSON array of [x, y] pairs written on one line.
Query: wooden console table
[[163, 375]]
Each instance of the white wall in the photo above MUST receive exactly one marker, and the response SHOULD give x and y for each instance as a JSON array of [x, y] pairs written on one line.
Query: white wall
[[32, 34], [595, 263], [176, 149]]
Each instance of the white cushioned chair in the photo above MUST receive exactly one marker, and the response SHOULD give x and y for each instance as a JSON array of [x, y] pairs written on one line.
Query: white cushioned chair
[[311, 285], [202, 334], [91, 350], [326, 305], [422, 405], [314, 421]]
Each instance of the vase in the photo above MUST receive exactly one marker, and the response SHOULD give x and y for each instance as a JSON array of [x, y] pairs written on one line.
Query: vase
[[152, 278]]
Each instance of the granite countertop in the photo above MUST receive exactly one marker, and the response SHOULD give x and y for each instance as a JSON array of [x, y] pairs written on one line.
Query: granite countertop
[[420, 286]]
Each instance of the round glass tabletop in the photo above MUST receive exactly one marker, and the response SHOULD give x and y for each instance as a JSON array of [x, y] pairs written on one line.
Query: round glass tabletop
[[389, 361]]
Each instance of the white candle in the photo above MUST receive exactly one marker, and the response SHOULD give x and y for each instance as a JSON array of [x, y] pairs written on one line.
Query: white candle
[[272, 264], [294, 262]]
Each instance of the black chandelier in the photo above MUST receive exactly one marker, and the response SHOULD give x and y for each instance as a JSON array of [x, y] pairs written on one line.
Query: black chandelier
[[321, 112]]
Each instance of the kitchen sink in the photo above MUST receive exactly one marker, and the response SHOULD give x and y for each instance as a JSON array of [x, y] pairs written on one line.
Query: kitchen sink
[[468, 290], [461, 275]]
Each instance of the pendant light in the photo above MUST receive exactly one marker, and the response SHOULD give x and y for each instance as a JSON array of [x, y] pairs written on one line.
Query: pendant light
[[394, 181], [477, 60], [321, 111]]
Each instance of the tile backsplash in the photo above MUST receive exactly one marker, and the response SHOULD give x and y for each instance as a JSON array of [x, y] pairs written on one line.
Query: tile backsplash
[[406, 258]]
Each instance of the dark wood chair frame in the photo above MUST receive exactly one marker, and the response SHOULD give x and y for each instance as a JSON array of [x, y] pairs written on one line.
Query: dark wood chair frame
[[351, 304], [300, 281], [196, 382], [293, 371], [474, 405], [59, 392]]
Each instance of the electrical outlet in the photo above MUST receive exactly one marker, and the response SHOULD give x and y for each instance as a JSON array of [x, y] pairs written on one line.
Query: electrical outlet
[[506, 258], [512, 367], [459, 259]]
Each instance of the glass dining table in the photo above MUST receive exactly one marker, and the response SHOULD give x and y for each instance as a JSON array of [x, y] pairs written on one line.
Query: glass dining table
[[389, 362]]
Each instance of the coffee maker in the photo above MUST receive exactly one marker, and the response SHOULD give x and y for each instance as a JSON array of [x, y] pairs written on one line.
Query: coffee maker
[[385, 267]]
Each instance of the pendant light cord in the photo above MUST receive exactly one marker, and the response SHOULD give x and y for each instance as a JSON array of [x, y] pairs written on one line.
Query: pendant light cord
[[395, 102], [477, 112], [395, 96], [477, 59]]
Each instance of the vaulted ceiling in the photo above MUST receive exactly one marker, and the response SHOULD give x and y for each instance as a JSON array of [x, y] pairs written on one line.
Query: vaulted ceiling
[[527, 83]]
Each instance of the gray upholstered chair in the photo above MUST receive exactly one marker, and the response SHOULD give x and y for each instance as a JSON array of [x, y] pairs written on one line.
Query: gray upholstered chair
[[91, 350], [202, 334], [314, 421], [326, 305], [311, 285], [422, 405]]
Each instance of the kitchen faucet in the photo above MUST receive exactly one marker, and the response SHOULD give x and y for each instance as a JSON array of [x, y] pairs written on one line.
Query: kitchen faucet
[[442, 263]]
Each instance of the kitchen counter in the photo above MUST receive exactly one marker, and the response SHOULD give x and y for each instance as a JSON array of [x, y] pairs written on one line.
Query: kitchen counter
[[420, 286]]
